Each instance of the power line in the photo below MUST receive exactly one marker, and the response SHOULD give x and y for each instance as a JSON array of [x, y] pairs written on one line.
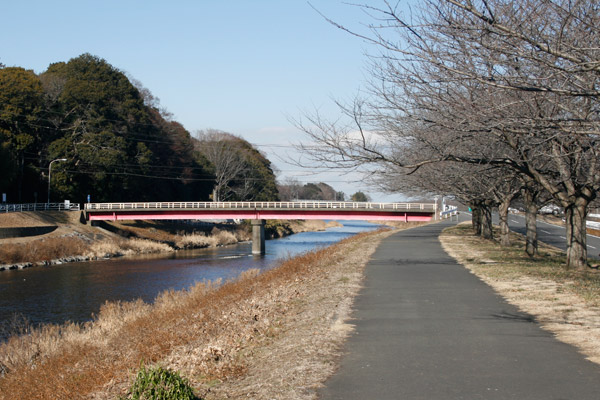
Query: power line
[[180, 178], [133, 135]]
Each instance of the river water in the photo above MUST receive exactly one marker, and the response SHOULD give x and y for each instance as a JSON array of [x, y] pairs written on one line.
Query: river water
[[75, 291]]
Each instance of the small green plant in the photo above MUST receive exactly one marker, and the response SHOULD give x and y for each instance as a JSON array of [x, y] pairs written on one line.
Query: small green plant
[[158, 383]]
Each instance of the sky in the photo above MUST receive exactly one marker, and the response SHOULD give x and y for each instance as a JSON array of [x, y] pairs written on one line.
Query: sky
[[242, 66]]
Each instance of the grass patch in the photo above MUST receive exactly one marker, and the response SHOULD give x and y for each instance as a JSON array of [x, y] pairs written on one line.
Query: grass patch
[[158, 383]]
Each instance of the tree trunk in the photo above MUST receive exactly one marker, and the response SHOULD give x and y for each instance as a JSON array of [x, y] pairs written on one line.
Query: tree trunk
[[486, 222], [504, 229], [575, 219], [476, 219], [531, 236], [531, 209]]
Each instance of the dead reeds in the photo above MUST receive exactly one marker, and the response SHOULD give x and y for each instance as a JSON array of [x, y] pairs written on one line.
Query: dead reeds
[[154, 241], [47, 249]]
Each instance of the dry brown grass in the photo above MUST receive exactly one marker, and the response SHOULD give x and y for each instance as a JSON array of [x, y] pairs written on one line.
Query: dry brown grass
[[127, 247], [38, 218], [183, 236], [47, 249], [565, 302], [273, 335], [76, 240], [195, 240], [224, 237]]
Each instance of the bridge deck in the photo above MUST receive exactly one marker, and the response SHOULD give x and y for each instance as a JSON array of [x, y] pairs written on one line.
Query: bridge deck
[[261, 210]]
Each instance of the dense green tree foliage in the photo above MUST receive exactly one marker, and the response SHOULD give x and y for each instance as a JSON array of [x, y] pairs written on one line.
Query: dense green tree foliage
[[7, 166], [293, 190], [258, 181], [119, 145], [359, 196], [21, 103]]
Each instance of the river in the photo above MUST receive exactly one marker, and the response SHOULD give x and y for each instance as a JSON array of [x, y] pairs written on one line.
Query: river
[[75, 291]]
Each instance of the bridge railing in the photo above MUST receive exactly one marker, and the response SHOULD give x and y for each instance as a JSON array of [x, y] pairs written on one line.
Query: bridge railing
[[5, 208], [264, 205]]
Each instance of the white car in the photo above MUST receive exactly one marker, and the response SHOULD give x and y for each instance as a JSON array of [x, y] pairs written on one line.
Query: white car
[[551, 209]]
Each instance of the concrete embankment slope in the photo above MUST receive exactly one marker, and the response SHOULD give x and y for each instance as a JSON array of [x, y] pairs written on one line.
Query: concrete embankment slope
[[426, 328]]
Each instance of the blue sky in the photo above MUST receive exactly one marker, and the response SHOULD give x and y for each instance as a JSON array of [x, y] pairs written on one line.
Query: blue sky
[[244, 67]]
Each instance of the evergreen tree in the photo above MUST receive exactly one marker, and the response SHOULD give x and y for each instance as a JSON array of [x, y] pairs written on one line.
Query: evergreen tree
[[21, 100]]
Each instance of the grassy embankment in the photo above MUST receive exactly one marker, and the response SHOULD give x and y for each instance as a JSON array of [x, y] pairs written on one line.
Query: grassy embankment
[[565, 302], [264, 336], [82, 242]]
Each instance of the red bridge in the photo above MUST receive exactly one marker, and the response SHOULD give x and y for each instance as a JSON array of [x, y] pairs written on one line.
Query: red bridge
[[259, 211]]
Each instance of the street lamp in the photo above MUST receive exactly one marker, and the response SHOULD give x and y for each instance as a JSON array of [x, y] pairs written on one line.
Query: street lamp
[[435, 202], [49, 174]]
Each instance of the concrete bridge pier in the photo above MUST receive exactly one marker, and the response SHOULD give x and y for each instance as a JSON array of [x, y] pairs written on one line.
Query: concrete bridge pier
[[258, 236]]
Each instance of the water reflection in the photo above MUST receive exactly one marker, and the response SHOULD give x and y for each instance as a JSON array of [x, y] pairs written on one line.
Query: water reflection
[[75, 291]]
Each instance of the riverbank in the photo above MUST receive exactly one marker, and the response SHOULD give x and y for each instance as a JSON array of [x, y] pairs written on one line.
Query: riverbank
[[565, 302], [71, 240], [273, 335]]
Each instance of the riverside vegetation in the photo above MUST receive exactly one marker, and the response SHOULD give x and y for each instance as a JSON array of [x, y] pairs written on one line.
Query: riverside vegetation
[[263, 336], [73, 241]]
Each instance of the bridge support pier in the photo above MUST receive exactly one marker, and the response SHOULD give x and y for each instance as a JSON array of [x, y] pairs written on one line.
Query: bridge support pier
[[258, 236]]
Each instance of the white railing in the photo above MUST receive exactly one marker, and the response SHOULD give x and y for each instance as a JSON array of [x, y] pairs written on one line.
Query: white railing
[[262, 205], [449, 213], [5, 208]]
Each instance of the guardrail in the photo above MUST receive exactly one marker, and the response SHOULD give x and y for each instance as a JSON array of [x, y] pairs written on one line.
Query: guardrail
[[263, 205], [449, 213], [6, 208]]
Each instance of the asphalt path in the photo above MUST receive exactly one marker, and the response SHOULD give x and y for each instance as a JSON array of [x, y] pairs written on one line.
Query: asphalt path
[[550, 234], [426, 328]]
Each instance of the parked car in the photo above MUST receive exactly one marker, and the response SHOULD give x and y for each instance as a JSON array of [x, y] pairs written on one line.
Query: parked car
[[551, 209]]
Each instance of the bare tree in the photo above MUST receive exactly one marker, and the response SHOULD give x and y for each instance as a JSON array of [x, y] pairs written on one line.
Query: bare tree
[[228, 163], [491, 82], [290, 189], [545, 52]]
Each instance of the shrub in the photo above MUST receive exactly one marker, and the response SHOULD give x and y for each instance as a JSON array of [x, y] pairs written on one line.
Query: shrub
[[157, 383]]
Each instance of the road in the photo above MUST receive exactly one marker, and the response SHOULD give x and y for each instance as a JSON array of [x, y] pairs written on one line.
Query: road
[[550, 234]]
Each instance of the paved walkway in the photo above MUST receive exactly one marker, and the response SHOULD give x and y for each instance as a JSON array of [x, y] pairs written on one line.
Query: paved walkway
[[426, 328]]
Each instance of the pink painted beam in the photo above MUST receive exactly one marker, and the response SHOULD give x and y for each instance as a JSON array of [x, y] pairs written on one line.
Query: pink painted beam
[[259, 214]]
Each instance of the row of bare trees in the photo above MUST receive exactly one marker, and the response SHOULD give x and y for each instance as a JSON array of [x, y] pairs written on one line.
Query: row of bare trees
[[487, 100]]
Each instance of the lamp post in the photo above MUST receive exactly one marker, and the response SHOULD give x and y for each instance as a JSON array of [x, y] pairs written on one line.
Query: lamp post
[[49, 175], [435, 202]]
